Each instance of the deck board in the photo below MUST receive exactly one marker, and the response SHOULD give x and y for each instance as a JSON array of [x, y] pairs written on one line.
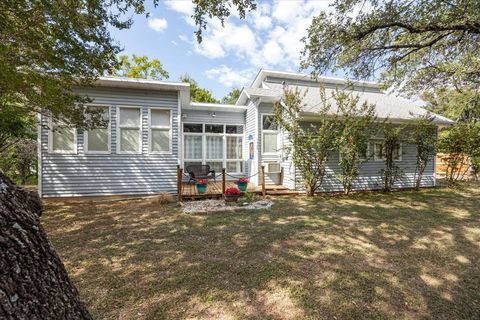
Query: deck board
[[214, 189]]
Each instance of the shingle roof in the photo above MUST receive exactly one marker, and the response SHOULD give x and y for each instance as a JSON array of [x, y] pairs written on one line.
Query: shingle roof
[[387, 106]]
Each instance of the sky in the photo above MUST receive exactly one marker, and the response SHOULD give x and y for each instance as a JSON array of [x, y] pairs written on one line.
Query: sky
[[230, 55]]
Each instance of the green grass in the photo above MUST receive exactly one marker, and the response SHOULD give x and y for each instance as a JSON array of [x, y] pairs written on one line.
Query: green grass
[[405, 255]]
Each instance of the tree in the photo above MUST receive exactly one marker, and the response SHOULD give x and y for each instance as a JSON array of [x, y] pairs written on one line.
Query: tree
[[423, 135], [310, 144], [357, 126], [460, 104], [140, 67], [232, 96], [461, 144], [47, 48], [413, 45], [198, 94], [34, 283], [14, 125], [391, 151]]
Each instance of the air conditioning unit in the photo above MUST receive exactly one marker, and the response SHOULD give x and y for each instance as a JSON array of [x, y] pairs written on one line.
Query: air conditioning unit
[[273, 167]]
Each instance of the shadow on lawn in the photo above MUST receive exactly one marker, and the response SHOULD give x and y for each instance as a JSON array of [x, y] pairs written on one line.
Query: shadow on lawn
[[400, 255]]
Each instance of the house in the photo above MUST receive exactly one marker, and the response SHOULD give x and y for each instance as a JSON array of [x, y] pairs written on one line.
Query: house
[[153, 127]]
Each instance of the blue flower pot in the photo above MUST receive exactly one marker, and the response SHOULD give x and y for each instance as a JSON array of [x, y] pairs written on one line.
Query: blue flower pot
[[201, 188], [242, 186]]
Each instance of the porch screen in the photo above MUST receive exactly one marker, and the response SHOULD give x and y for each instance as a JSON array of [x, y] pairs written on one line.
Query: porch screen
[[217, 145]]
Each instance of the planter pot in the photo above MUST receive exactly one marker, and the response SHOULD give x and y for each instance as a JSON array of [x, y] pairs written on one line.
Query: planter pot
[[231, 198], [201, 188], [242, 186]]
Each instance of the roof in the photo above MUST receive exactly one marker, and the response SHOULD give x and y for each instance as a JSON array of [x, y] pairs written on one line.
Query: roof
[[387, 106]]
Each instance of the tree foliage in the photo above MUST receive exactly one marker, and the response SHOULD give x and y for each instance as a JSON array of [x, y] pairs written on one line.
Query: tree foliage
[[392, 139], [140, 67], [358, 124], [461, 144], [413, 45], [232, 96], [423, 134], [310, 144], [460, 104], [198, 94], [49, 47]]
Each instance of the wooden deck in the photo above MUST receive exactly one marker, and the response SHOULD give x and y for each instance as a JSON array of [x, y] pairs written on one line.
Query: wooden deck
[[214, 189]]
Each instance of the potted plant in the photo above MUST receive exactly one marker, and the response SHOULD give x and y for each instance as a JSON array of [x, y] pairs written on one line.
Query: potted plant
[[232, 194], [202, 186], [242, 184]]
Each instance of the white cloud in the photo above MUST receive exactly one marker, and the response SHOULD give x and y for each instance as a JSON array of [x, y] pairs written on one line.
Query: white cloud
[[157, 24], [229, 77], [181, 6], [218, 41]]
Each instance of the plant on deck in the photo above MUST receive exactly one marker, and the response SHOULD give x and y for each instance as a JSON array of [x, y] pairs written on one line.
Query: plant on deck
[[202, 182]]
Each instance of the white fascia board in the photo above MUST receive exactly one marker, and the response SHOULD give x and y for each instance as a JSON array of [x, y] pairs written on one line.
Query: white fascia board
[[117, 82], [214, 107]]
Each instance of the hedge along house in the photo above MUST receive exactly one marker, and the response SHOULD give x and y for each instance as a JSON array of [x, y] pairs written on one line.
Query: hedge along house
[[154, 127]]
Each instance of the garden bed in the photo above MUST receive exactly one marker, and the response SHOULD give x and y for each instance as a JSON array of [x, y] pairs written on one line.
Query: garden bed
[[220, 205]]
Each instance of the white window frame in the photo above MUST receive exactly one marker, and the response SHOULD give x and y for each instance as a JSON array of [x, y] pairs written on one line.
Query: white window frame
[[224, 136], [361, 158], [119, 127], [277, 132], [151, 127], [375, 158], [109, 128], [50, 140]]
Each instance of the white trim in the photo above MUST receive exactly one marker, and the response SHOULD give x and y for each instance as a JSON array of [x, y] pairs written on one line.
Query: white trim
[[50, 140], [223, 135], [170, 131], [381, 141], [39, 154], [109, 128], [139, 128], [277, 132]]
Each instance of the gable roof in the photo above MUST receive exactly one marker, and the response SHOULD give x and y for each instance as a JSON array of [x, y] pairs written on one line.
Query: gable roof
[[268, 85]]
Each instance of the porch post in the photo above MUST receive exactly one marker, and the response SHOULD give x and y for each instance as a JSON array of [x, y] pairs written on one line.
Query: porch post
[[223, 181], [262, 174], [179, 183]]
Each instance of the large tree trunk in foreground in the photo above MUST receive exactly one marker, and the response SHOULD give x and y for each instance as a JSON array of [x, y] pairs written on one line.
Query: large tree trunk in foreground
[[33, 281]]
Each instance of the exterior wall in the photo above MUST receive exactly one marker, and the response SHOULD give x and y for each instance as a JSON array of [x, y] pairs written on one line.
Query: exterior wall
[[234, 118], [370, 177], [103, 174]]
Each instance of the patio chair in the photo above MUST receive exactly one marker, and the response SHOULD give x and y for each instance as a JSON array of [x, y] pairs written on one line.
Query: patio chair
[[200, 171]]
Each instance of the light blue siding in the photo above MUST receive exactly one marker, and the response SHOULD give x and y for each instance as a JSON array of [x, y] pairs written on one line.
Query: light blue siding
[[104, 174]]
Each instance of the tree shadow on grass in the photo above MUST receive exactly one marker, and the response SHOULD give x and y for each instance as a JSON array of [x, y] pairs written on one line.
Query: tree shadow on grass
[[400, 255]]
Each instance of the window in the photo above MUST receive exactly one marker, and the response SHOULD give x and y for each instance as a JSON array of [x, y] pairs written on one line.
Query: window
[[160, 131], [129, 125], [218, 145], [269, 134], [379, 151], [63, 139], [97, 140]]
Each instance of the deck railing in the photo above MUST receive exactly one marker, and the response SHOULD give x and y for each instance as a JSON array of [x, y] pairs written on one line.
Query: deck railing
[[181, 175]]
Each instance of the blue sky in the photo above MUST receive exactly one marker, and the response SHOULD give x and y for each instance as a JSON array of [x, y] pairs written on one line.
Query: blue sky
[[229, 56]]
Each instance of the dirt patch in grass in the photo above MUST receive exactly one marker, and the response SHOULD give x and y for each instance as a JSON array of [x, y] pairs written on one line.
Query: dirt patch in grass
[[405, 255]]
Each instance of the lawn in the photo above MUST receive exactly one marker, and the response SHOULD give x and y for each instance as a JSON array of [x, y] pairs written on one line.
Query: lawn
[[405, 255]]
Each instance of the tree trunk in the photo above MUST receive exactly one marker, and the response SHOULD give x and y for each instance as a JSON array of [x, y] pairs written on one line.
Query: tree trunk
[[33, 281]]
